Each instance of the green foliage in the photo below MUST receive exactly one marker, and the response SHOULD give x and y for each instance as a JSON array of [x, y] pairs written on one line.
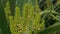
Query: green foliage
[[27, 23], [24, 17], [3, 23], [51, 29]]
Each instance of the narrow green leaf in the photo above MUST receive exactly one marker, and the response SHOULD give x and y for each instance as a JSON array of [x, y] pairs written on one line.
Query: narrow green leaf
[[53, 28]]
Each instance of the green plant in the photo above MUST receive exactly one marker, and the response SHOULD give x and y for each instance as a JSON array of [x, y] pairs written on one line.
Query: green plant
[[25, 17], [3, 23], [49, 12], [51, 29], [28, 22]]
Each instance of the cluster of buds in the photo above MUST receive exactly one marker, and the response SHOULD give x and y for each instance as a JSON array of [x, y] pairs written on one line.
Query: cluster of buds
[[27, 23]]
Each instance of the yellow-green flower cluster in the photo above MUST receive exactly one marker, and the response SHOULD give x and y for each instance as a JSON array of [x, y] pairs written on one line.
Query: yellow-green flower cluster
[[28, 22], [7, 10]]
